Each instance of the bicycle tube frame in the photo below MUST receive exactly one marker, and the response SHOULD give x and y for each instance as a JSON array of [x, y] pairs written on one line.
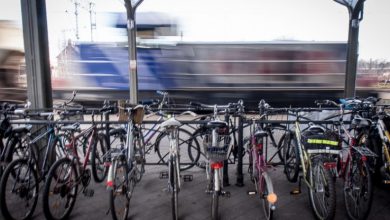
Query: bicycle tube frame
[[52, 137], [305, 160], [90, 131], [384, 133]]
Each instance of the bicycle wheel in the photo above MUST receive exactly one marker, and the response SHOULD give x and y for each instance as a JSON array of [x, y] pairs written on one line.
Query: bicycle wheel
[[60, 192], [358, 189], [19, 190], [215, 206], [291, 159], [139, 156], [121, 192], [322, 194], [174, 181], [265, 189], [99, 149], [56, 151], [194, 154], [186, 142]]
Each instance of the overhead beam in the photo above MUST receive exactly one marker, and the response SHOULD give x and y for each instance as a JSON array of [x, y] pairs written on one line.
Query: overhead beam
[[39, 91]]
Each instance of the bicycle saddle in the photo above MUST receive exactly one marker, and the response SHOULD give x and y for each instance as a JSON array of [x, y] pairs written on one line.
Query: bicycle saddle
[[172, 122], [216, 124], [260, 134], [22, 129], [72, 127], [360, 123], [117, 131]]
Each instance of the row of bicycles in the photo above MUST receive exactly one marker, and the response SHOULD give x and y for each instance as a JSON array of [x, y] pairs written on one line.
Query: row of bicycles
[[54, 153]]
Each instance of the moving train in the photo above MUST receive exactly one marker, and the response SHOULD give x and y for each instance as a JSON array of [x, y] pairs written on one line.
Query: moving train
[[280, 71]]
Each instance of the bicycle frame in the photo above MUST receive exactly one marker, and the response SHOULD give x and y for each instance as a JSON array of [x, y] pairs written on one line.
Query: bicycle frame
[[92, 132], [385, 138]]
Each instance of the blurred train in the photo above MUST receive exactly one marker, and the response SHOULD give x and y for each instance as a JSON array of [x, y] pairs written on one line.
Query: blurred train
[[282, 72], [293, 72], [12, 66]]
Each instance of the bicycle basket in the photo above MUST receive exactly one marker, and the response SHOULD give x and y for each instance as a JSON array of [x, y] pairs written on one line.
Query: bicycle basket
[[138, 114], [216, 150], [327, 142]]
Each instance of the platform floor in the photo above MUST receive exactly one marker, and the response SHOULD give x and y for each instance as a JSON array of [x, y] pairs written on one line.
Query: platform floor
[[150, 201]]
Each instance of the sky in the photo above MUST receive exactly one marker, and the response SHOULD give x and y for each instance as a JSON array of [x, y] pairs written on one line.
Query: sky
[[228, 20]]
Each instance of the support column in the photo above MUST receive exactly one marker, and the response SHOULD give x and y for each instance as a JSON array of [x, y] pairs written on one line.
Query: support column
[[36, 48], [355, 9], [132, 42]]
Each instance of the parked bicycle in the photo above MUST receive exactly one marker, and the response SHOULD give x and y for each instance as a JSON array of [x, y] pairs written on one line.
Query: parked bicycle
[[67, 174], [127, 164], [258, 163], [312, 150], [20, 184], [353, 162]]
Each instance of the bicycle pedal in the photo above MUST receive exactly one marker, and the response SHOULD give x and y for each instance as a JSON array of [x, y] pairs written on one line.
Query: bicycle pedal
[[164, 175], [251, 193], [88, 192], [201, 164], [208, 192], [139, 160], [187, 178], [225, 194], [295, 191]]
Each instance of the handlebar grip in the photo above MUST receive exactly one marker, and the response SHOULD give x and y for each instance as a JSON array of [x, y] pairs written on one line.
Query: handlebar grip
[[195, 104], [20, 112], [149, 101], [45, 114]]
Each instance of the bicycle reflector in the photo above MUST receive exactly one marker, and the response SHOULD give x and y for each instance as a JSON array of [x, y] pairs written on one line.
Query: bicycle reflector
[[217, 165], [272, 198]]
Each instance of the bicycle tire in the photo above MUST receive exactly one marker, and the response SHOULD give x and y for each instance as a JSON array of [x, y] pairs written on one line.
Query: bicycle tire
[[358, 172], [195, 158], [121, 184], [99, 149], [316, 174], [174, 190], [291, 159], [215, 206], [66, 189], [139, 157], [266, 187], [186, 159], [15, 208], [56, 151]]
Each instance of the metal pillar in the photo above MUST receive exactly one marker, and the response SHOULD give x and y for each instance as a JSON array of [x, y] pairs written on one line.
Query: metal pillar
[[132, 42], [355, 9], [240, 151], [37, 53]]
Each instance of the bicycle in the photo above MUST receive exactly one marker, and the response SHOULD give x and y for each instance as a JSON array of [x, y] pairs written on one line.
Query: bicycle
[[66, 174], [171, 127], [19, 186], [127, 165], [258, 164], [353, 162], [312, 150]]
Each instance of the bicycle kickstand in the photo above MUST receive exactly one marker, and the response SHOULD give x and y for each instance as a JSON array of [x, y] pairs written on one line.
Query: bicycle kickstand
[[297, 191]]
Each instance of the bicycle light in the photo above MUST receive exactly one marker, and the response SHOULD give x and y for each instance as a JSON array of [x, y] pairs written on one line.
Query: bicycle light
[[272, 198]]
